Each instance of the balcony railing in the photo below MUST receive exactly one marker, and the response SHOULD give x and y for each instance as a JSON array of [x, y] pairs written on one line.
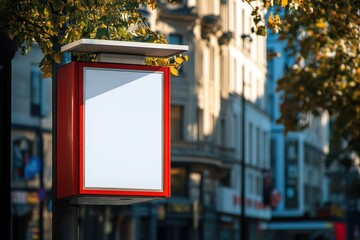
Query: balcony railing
[[203, 149]]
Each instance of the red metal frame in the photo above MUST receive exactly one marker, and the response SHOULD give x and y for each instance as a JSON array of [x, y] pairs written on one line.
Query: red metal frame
[[66, 131], [70, 122]]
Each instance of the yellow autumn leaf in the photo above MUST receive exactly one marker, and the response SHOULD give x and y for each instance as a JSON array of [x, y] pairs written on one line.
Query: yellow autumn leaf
[[46, 71], [284, 3], [267, 4], [46, 13], [357, 109], [57, 57], [152, 4], [142, 31], [179, 60], [271, 20], [174, 71], [277, 19], [46, 75], [356, 94], [352, 84], [320, 24]]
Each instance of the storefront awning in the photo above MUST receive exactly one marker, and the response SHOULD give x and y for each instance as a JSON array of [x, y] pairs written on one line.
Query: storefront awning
[[303, 225]]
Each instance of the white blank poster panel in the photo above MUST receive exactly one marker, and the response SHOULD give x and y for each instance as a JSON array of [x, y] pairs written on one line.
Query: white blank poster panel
[[123, 129]]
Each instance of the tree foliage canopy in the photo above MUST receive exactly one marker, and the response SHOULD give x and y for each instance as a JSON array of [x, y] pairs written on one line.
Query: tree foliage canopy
[[325, 44], [52, 23]]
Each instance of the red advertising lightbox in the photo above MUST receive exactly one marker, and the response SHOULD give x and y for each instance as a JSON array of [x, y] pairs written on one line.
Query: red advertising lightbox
[[112, 133]]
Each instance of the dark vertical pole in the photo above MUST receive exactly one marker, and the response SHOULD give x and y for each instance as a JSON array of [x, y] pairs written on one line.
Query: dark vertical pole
[[5, 147], [243, 228], [40, 153], [7, 51], [242, 216], [65, 216]]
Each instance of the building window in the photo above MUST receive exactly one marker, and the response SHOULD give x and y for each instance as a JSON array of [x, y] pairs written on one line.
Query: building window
[[177, 122], [236, 132], [35, 91], [223, 133], [269, 93], [258, 186], [291, 175], [232, 81], [200, 123], [243, 30], [291, 151], [273, 154], [236, 82], [250, 147], [250, 186], [223, 74], [208, 189], [213, 128], [265, 150], [250, 86], [175, 39], [178, 181], [40, 93], [212, 63], [243, 79], [258, 147]]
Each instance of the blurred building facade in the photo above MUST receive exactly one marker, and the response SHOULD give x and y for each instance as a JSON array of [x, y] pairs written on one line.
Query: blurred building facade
[[206, 121], [31, 141], [226, 61]]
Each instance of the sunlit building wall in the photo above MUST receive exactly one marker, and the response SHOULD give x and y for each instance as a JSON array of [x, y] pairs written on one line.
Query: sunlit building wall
[[206, 115]]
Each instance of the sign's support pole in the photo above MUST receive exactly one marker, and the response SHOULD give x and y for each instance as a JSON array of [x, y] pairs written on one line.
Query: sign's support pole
[[5, 147], [7, 52]]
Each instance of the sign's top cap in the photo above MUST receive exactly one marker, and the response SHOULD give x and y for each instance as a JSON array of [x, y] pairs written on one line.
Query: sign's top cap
[[123, 47]]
